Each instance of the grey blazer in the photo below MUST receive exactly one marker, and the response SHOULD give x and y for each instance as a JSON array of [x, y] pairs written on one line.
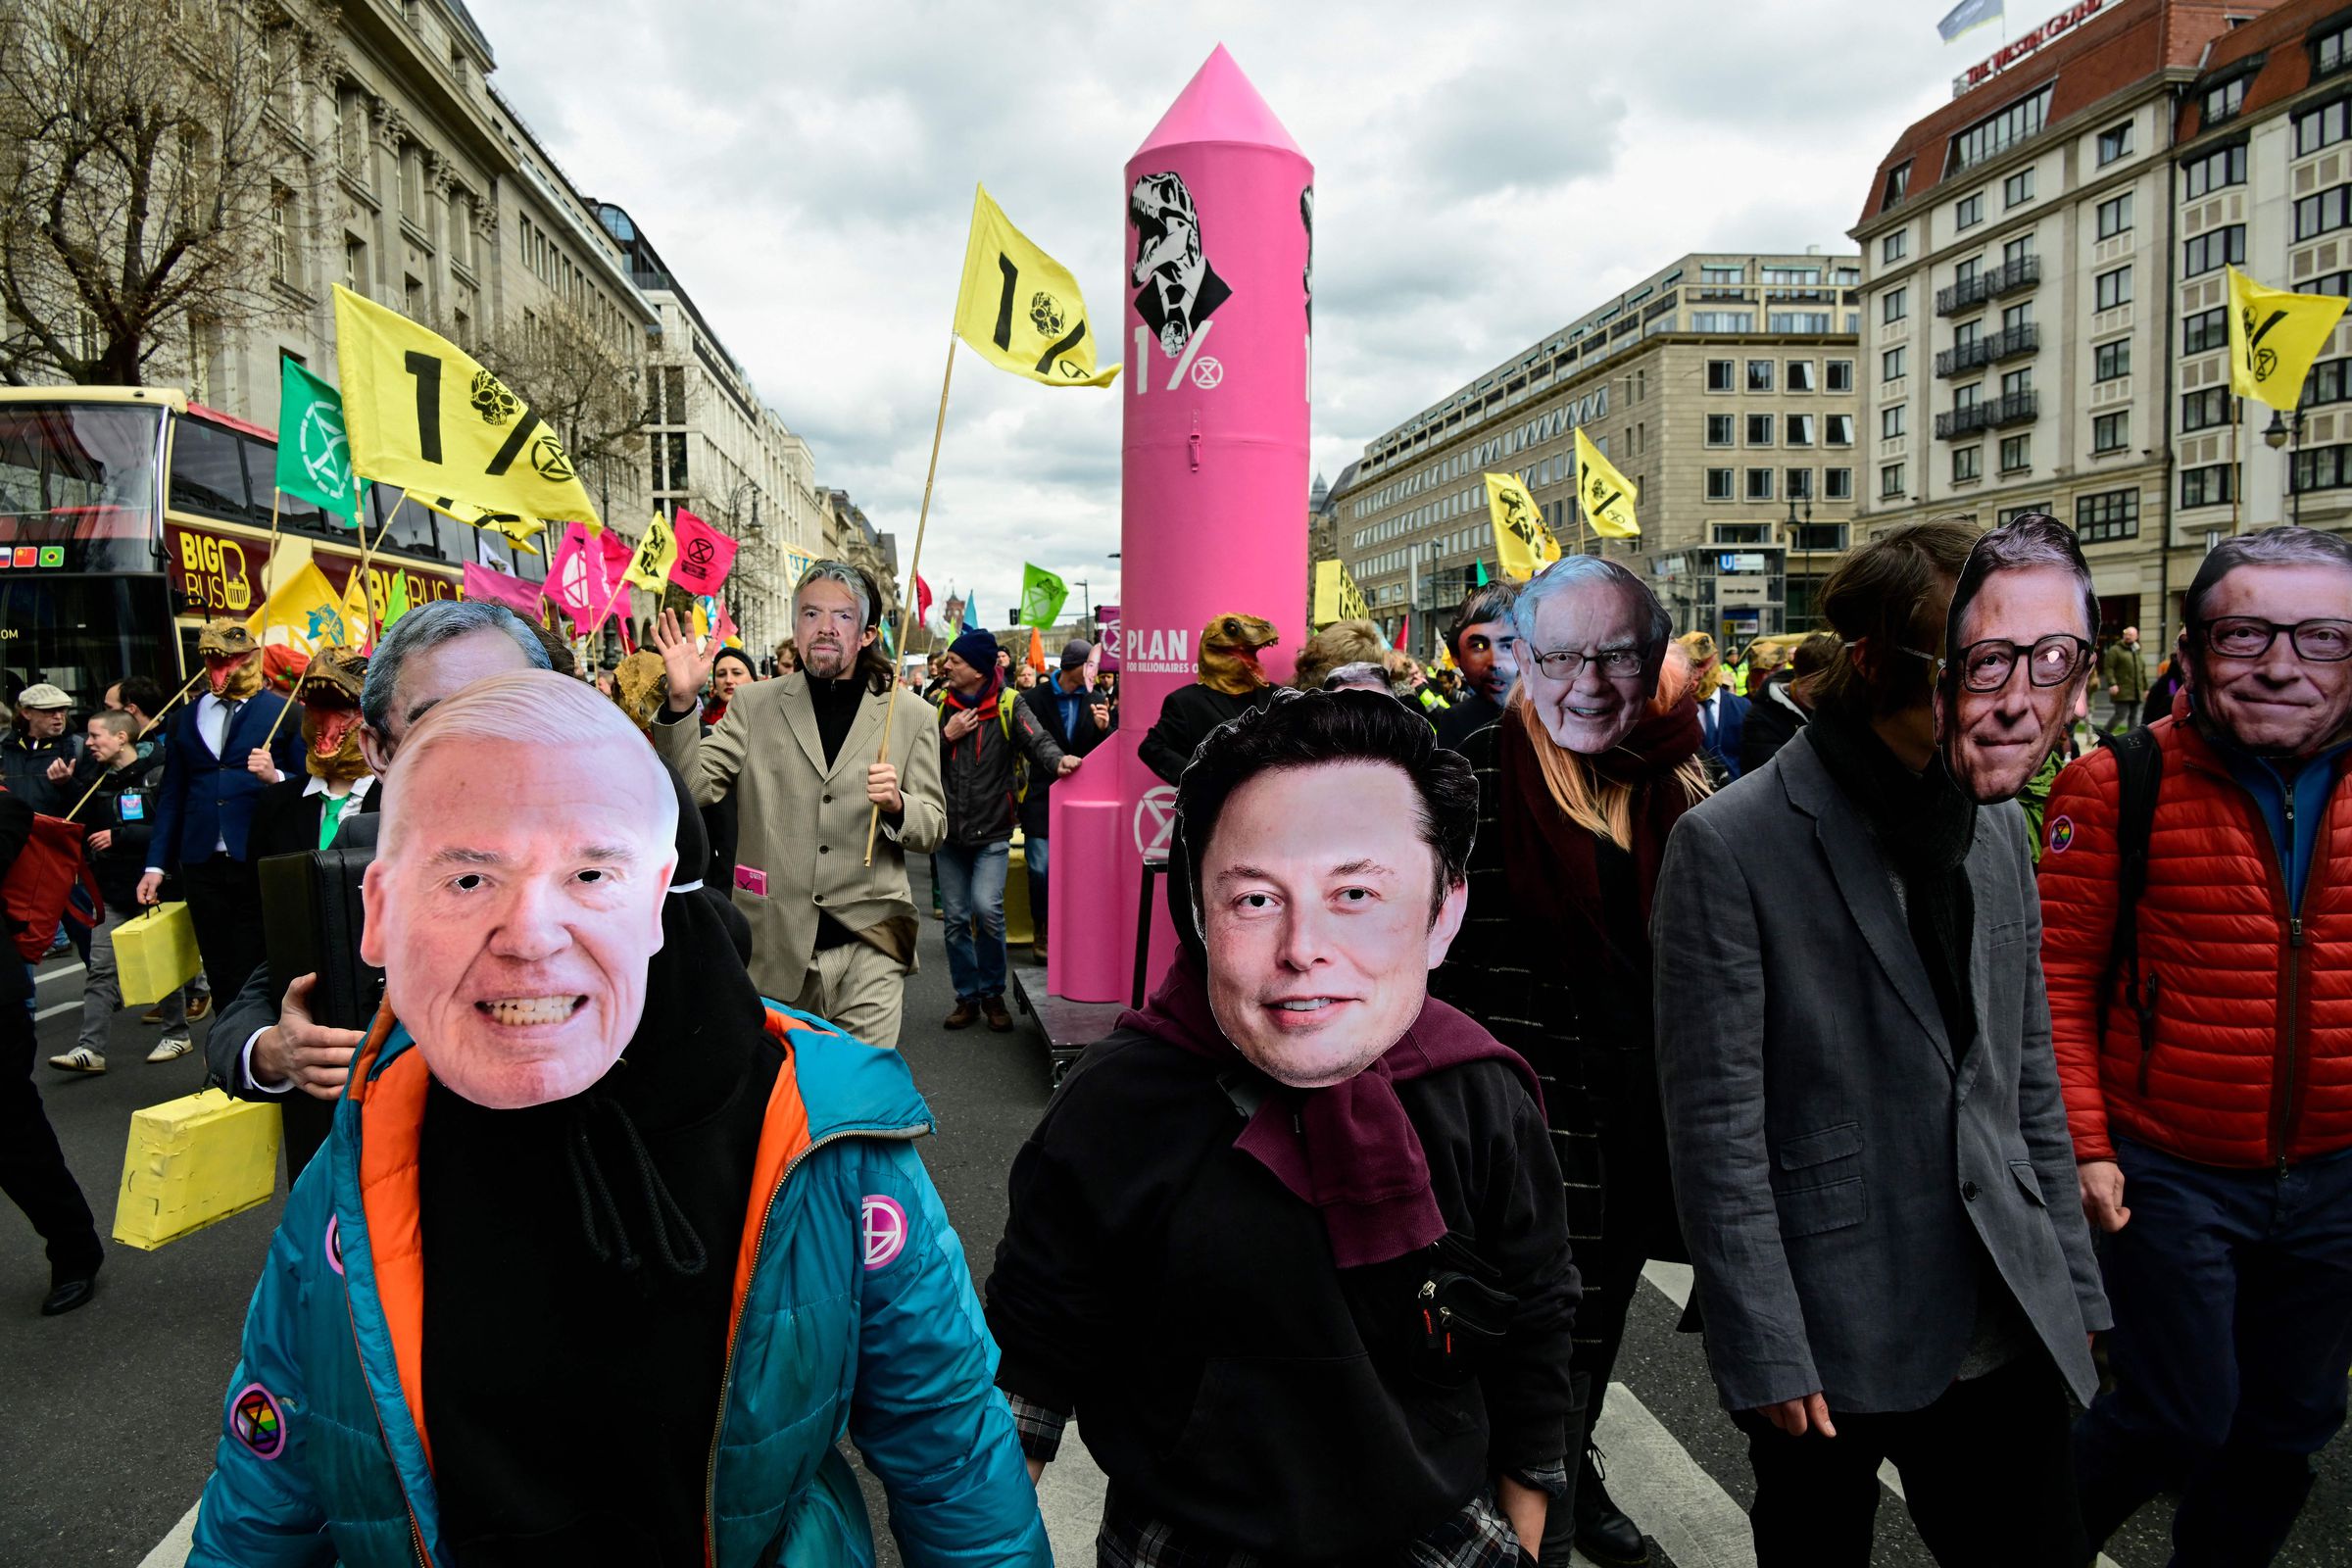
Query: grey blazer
[[1839, 1168]]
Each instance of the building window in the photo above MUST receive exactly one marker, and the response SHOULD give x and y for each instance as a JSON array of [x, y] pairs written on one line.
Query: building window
[[2225, 101], [2115, 216], [354, 266], [281, 235], [2109, 361], [1894, 364], [2111, 289], [1840, 430], [1968, 463], [1898, 184], [2017, 383], [1759, 375], [1966, 271], [2111, 432], [1799, 482], [1719, 429], [1997, 132], [2202, 410], [2227, 246], [1967, 334], [1759, 484], [1895, 247], [2109, 515], [1797, 430], [2326, 384], [2313, 215], [1721, 377], [1800, 375], [1891, 420], [1841, 375], [1722, 320], [2323, 469], [2331, 52], [1837, 484], [2115, 143], [1798, 323], [2208, 486], [2017, 189], [1891, 481], [2017, 317], [1719, 485], [2017, 453], [2207, 330], [2223, 166], [1894, 305], [1969, 210], [1759, 429], [1967, 396]]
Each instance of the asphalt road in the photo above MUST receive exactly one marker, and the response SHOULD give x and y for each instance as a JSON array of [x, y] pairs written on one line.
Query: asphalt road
[[107, 1416]]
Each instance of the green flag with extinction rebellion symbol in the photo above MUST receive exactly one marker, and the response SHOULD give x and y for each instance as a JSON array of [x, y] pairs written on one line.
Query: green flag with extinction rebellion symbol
[[1042, 596], [314, 460]]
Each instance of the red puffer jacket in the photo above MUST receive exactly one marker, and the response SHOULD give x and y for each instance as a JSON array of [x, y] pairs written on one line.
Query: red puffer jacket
[[2252, 1061]]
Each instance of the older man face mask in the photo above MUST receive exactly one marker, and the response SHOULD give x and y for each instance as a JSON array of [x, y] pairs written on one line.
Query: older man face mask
[[515, 906]]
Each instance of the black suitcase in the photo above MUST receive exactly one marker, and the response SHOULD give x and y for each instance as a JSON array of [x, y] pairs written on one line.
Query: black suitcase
[[311, 922]]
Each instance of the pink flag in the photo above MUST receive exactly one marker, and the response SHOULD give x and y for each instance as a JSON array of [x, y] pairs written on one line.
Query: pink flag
[[704, 554], [585, 578], [502, 588]]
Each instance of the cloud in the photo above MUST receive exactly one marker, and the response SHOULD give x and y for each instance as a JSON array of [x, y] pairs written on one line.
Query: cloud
[[1484, 175]]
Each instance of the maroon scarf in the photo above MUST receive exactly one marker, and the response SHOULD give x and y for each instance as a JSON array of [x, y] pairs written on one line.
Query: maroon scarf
[[1349, 1150], [1553, 866]]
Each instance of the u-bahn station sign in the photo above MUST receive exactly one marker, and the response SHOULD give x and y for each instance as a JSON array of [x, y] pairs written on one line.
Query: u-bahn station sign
[[2009, 54]]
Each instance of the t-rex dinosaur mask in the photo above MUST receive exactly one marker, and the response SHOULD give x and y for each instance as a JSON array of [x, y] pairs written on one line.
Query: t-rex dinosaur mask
[[233, 659], [640, 687], [329, 694], [1229, 645]]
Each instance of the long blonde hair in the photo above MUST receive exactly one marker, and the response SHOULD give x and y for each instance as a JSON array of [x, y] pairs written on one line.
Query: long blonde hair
[[1601, 805]]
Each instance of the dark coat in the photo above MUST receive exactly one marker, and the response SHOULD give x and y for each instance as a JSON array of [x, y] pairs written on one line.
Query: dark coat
[[1471, 712], [1730, 719], [25, 770], [1768, 724], [124, 806], [981, 773], [1844, 1168], [1042, 700], [1184, 720], [1582, 1021], [286, 820]]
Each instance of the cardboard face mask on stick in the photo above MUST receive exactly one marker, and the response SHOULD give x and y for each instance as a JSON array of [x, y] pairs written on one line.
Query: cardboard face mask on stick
[[2019, 652], [1592, 638], [2265, 641]]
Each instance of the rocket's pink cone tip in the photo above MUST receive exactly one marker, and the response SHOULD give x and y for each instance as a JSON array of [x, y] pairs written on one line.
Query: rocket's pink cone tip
[[1219, 105]]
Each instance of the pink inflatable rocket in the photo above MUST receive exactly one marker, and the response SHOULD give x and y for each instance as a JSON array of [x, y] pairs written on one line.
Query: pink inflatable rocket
[[1220, 251]]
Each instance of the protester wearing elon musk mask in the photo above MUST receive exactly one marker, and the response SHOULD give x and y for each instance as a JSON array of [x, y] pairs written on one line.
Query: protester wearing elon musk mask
[[1289, 1243], [604, 1251], [2196, 889]]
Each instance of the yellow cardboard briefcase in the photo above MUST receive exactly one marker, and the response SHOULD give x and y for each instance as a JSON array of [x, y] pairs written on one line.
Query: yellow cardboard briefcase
[[192, 1161], [155, 954]]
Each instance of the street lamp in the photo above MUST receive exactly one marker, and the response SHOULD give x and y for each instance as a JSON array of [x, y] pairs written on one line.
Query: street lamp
[[2274, 438], [1804, 534]]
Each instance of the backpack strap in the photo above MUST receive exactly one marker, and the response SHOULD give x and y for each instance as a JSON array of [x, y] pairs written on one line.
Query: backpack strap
[[2139, 781]]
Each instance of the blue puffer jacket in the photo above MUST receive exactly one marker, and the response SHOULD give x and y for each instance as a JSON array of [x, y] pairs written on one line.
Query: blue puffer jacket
[[854, 1312]]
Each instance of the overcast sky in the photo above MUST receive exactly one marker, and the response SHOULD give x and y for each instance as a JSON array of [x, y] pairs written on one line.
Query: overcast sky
[[1483, 174]]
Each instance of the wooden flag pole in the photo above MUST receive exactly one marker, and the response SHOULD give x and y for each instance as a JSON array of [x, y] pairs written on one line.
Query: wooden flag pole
[[914, 562], [157, 717]]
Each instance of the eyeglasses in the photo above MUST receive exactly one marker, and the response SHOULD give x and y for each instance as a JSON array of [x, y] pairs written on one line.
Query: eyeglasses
[[2323, 642], [2052, 660], [1565, 664]]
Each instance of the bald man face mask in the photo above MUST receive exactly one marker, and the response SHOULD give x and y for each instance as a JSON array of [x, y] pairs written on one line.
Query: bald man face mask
[[515, 909]]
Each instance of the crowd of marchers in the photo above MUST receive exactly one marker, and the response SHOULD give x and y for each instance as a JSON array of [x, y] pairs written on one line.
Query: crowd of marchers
[[1969, 1005]]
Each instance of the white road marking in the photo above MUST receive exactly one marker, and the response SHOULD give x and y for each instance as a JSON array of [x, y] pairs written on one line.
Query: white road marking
[[172, 1551], [55, 1008]]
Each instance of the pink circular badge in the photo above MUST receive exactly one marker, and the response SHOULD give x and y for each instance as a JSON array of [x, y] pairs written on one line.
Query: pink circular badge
[[884, 1224]]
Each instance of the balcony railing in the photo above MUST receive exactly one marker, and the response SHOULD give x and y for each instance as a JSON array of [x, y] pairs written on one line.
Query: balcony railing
[[2006, 344], [2006, 279], [1993, 414]]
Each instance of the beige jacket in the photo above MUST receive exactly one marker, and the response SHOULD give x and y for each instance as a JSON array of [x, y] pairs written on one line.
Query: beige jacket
[[802, 825]]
